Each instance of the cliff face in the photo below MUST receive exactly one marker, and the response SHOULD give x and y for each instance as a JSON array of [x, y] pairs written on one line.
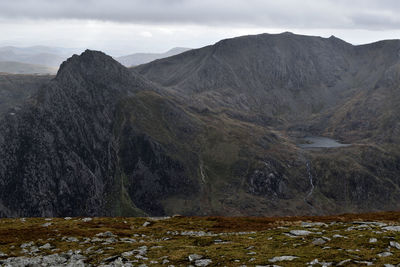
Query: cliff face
[[212, 131], [60, 155]]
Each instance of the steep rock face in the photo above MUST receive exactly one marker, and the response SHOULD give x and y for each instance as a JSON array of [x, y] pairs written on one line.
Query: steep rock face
[[270, 181], [154, 176], [59, 155]]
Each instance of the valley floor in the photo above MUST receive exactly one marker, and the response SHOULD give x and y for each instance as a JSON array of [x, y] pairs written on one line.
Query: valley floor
[[345, 240]]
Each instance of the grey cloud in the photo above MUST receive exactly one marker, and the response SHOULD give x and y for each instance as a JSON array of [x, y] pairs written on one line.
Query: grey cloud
[[359, 14]]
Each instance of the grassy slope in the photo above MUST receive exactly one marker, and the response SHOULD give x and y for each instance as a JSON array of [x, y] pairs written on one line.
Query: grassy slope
[[216, 150], [220, 153]]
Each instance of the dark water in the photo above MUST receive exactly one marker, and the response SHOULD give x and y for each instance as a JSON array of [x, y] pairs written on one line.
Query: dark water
[[321, 142]]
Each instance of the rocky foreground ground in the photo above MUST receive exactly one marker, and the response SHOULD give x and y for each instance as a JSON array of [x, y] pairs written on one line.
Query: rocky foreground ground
[[347, 240]]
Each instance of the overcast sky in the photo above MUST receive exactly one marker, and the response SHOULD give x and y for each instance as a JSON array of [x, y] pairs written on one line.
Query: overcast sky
[[127, 26]]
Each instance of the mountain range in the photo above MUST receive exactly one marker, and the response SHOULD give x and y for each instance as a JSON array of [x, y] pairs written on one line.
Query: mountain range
[[142, 58], [46, 60], [211, 131]]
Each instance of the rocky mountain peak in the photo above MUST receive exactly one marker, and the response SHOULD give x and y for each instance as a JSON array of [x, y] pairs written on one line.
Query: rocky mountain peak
[[91, 64], [99, 70]]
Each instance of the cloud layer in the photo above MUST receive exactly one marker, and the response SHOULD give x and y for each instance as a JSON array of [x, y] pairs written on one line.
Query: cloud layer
[[338, 14]]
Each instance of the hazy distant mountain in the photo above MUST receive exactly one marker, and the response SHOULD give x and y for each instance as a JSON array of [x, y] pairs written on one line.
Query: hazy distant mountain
[[24, 68], [37, 55], [47, 59], [142, 58], [52, 57], [62, 51]]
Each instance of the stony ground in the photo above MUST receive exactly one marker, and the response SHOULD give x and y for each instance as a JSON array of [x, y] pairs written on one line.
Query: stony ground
[[347, 240]]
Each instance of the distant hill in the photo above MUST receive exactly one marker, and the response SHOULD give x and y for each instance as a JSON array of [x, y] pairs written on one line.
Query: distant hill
[[24, 68], [44, 59], [40, 50], [142, 58], [37, 55]]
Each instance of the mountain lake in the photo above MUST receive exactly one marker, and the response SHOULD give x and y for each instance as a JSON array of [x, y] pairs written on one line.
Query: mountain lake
[[320, 142]]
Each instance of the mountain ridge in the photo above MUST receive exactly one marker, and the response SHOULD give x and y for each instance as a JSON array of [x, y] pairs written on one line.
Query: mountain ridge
[[102, 139]]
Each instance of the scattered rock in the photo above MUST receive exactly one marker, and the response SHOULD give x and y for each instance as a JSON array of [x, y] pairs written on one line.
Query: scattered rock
[[300, 232], [394, 244], [359, 227], [86, 219], [313, 224], [318, 241], [46, 246], [339, 236], [106, 234], [127, 240], [385, 254], [142, 250], [379, 224], [282, 258], [193, 257], [70, 239], [71, 258], [25, 245], [343, 262], [373, 240], [392, 228], [34, 249], [110, 259], [146, 224], [46, 224], [128, 253], [203, 262], [317, 262], [368, 263]]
